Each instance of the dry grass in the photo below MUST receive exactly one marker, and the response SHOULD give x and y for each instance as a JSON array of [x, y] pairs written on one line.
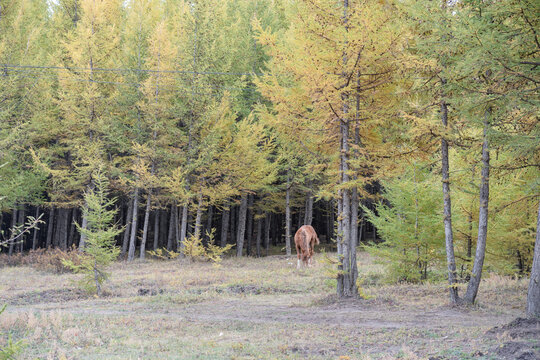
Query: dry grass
[[246, 309]]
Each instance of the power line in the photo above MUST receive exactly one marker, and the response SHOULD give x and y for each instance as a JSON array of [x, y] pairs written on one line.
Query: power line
[[162, 86], [6, 66]]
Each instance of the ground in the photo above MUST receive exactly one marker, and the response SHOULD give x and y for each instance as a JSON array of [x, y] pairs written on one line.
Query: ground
[[258, 308]]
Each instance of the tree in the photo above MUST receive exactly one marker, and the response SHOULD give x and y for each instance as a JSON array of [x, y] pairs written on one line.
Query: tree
[[100, 249], [312, 80], [533, 294]]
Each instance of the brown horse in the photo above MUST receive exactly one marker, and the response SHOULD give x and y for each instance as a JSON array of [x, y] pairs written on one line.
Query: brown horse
[[305, 240]]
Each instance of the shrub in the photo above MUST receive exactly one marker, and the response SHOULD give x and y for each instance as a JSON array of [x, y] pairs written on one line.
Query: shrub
[[49, 260]]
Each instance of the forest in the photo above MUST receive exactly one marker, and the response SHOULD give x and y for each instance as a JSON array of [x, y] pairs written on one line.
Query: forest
[[196, 136]]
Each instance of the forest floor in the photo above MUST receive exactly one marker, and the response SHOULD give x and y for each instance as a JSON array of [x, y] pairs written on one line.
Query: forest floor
[[258, 308]]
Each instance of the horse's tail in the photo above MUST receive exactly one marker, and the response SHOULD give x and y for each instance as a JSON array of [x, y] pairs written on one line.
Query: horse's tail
[[317, 242], [306, 243]]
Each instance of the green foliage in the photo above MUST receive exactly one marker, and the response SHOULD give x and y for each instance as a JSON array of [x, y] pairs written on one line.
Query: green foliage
[[409, 224], [100, 249], [10, 350]]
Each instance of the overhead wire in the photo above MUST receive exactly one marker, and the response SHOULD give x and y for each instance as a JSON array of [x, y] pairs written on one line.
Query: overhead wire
[[36, 70]]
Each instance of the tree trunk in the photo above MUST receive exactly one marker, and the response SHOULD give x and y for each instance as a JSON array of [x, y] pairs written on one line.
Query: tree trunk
[[209, 219], [346, 281], [84, 222], [474, 282], [72, 227], [448, 234], [156, 229], [249, 231], [234, 215], [308, 211], [242, 213], [288, 216], [133, 235], [60, 233], [13, 232], [34, 235], [177, 225], [354, 237], [170, 233], [127, 230], [145, 226], [50, 227], [259, 236], [20, 223], [224, 225], [183, 225], [198, 218], [267, 220], [533, 294]]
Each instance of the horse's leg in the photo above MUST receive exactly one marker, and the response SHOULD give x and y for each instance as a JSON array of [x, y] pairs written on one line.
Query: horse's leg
[[298, 254]]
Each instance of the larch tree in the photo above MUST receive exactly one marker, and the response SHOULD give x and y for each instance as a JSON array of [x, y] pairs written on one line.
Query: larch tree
[[329, 46]]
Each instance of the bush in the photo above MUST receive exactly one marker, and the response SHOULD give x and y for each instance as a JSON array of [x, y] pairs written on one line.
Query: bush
[[194, 250], [49, 260]]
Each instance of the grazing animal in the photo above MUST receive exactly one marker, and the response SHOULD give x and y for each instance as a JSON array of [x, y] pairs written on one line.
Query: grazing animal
[[305, 240]]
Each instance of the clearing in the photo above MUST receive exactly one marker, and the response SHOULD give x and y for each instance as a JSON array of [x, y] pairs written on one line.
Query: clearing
[[258, 308]]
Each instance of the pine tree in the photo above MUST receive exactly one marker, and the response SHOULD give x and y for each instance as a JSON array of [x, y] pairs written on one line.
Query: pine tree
[[100, 249]]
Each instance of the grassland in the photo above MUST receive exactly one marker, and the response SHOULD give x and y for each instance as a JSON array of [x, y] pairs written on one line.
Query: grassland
[[249, 308]]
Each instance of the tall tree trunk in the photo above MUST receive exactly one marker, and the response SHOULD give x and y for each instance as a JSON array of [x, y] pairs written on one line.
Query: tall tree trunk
[[448, 234], [308, 211], [34, 235], [288, 216], [50, 227], [224, 225], [134, 218], [330, 221], [163, 228], [63, 224], [20, 222], [156, 229], [345, 287], [259, 236], [249, 231], [170, 233], [127, 230], [145, 226], [209, 220], [234, 215], [242, 213], [533, 294], [184, 225], [177, 226], [474, 282], [267, 220], [72, 227], [84, 222], [198, 218], [354, 238], [13, 232]]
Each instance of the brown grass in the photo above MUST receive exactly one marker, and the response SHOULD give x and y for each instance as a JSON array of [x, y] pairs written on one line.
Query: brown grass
[[247, 309]]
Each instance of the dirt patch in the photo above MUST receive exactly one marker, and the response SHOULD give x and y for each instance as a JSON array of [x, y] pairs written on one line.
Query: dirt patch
[[520, 327], [150, 292], [49, 296], [526, 331], [244, 289], [517, 350]]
